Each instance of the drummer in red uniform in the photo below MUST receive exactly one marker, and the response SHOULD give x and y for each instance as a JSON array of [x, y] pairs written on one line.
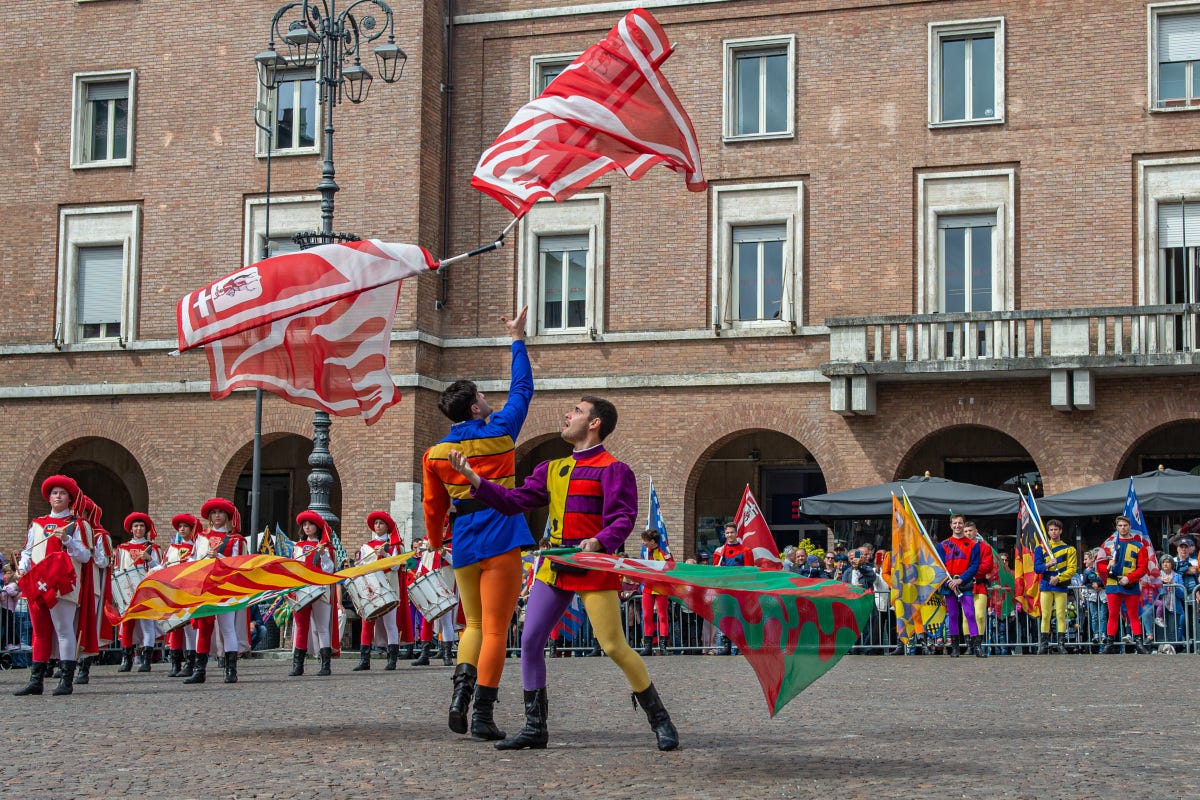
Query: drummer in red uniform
[[135, 558], [224, 538], [386, 542], [58, 531], [181, 642], [315, 549]]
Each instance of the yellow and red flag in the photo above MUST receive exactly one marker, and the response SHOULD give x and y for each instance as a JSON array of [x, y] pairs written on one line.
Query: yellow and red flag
[[1028, 582], [216, 585], [916, 575]]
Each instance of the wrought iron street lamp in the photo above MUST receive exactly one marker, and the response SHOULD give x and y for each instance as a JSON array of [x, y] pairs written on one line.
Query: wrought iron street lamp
[[316, 34]]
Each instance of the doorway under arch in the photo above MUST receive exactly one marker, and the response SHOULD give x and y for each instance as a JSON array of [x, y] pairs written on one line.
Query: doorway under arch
[[105, 471]]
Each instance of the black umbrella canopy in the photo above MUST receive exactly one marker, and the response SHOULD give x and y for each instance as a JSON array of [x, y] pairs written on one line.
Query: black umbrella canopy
[[1158, 491], [930, 497]]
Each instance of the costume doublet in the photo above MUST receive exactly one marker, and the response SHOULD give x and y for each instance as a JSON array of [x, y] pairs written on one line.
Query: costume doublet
[[962, 559], [1131, 561], [1060, 562]]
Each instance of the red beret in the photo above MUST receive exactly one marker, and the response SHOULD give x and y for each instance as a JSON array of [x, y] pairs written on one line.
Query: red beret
[[377, 516], [218, 504], [185, 519], [138, 516], [60, 482], [311, 516]]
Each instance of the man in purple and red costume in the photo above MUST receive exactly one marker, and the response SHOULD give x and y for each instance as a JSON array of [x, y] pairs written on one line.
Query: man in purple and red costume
[[593, 503], [961, 555]]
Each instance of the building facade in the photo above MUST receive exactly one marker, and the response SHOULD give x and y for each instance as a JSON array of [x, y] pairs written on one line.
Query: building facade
[[956, 237]]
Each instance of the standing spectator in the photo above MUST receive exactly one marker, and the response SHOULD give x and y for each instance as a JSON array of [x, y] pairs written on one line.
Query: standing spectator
[[9, 594], [961, 556], [731, 554], [1171, 595], [1185, 563], [1091, 593], [861, 572], [790, 562]]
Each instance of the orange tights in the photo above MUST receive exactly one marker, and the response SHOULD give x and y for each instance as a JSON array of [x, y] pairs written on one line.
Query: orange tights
[[488, 591]]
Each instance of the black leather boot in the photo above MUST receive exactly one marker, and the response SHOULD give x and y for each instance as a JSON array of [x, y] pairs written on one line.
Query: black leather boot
[[144, 659], [662, 647], [1111, 647], [231, 666], [84, 675], [297, 662], [66, 683], [595, 652], [126, 660], [460, 698], [1139, 645], [37, 676], [647, 648], [447, 654], [326, 656], [535, 734], [176, 664], [189, 664], [199, 671], [56, 669], [406, 651], [1043, 644], [364, 659], [482, 724], [955, 641], [393, 653], [660, 720], [423, 658], [1060, 644]]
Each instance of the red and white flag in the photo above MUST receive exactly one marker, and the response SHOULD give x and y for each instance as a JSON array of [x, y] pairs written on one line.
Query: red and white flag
[[610, 109], [313, 327], [54, 575], [753, 532]]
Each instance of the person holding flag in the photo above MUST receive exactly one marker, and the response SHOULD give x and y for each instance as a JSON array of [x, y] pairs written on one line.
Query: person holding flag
[[961, 557], [652, 602], [139, 552], [592, 499], [1056, 563], [1122, 570], [57, 546], [181, 642], [987, 573], [730, 554]]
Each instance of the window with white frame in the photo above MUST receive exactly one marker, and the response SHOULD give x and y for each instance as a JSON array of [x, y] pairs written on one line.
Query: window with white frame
[[966, 241], [293, 111], [759, 87], [757, 251], [102, 133], [289, 215], [1175, 56], [966, 72], [97, 275], [562, 265], [544, 69]]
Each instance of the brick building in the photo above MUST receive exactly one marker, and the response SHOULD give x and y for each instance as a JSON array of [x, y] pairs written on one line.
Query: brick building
[[952, 236]]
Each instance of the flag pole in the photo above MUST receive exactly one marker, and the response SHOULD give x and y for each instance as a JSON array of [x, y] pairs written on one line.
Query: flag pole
[[921, 527], [478, 251]]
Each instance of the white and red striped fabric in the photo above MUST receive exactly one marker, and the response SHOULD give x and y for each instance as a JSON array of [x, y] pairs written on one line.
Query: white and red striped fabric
[[313, 327], [610, 109]]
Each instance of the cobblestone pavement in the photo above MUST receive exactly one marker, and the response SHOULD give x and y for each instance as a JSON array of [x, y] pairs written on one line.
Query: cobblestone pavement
[[937, 728]]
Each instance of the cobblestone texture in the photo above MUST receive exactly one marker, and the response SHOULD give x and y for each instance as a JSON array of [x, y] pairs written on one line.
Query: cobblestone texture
[[1021, 727]]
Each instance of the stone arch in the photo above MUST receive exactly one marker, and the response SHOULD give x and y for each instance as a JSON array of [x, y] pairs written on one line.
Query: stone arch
[[105, 470], [1174, 444], [991, 443]]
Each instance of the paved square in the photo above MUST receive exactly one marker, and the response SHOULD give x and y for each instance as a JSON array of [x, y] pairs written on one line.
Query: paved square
[[930, 728]]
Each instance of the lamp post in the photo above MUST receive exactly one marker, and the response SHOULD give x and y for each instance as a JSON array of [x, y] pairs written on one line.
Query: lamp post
[[318, 35]]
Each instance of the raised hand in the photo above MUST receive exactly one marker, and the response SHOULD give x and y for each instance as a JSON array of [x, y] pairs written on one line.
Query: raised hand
[[463, 466], [516, 326]]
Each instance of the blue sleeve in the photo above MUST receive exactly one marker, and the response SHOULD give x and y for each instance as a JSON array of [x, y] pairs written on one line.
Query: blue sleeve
[[511, 418], [1039, 560]]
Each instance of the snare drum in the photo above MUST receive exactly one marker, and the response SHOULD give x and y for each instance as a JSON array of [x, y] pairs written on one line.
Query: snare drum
[[305, 596], [124, 584], [372, 594], [431, 596]]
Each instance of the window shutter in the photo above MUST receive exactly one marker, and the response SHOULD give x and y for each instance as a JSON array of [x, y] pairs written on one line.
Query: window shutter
[[966, 221], [114, 90], [1178, 37], [1175, 220], [557, 244], [99, 284], [759, 233]]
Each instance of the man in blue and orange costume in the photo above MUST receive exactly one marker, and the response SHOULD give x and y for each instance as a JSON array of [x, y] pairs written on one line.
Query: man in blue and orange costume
[[593, 504], [487, 544], [1056, 567], [1122, 574], [731, 554], [961, 555], [59, 621]]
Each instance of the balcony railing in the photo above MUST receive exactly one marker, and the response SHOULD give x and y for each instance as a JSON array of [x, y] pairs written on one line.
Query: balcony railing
[[1006, 340]]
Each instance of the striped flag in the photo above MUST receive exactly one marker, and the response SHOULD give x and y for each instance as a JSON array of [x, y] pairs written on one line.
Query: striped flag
[[655, 521], [313, 327], [611, 109], [1028, 583], [917, 572]]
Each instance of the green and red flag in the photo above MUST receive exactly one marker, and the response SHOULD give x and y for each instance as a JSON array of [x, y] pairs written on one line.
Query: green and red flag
[[792, 630], [213, 586]]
